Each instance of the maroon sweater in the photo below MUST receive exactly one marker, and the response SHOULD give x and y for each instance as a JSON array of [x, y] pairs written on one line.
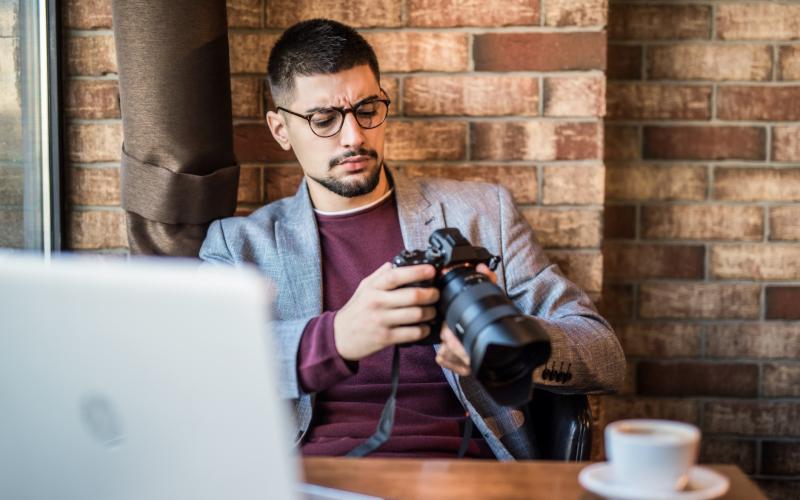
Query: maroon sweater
[[429, 420]]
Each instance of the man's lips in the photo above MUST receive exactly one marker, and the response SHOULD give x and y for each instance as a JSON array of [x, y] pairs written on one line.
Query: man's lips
[[355, 162]]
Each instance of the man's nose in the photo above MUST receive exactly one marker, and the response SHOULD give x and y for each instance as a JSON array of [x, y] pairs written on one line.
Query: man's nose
[[352, 135]]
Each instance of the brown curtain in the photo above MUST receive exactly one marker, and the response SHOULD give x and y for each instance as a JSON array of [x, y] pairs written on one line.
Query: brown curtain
[[178, 168]]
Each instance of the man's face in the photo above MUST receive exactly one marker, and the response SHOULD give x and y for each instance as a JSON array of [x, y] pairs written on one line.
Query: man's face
[[349, 162]]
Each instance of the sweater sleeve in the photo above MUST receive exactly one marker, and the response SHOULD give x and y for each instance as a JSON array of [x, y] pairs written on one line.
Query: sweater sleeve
[[319, 364]]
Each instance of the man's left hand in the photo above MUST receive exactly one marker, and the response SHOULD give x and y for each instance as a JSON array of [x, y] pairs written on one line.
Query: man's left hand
[[451, 354]]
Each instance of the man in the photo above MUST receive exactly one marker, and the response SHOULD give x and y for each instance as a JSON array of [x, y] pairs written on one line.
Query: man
[[340, 305]]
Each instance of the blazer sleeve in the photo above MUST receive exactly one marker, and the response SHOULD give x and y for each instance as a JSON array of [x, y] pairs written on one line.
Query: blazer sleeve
[[585, 353], [286, 333]]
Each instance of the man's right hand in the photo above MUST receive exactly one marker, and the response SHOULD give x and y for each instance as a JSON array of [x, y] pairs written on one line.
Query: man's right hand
[[380, 314]]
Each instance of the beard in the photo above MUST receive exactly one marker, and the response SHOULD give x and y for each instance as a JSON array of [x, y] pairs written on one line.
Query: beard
[[360, 184]]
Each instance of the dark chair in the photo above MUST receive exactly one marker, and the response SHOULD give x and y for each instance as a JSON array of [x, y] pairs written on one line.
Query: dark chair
[[560, 425]]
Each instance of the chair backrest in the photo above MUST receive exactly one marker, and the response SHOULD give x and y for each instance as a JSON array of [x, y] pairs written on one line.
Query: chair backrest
[[560, 426]]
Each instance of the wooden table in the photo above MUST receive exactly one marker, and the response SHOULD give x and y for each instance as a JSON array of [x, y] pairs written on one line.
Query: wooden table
[[473, 479]]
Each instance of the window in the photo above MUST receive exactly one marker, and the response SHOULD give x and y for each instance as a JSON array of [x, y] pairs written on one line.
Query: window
[[29, 126]]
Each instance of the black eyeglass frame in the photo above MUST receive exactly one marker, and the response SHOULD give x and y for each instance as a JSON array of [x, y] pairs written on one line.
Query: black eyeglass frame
[[343, 112]]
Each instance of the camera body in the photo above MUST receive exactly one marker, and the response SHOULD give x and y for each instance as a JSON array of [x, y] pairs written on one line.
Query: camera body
[[448, 250], [503, 344]]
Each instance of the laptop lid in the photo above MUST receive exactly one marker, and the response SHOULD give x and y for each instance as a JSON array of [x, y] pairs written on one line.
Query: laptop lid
[[138, 380]]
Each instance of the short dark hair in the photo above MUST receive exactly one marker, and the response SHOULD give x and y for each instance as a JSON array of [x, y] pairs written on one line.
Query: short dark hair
[[314, 47]]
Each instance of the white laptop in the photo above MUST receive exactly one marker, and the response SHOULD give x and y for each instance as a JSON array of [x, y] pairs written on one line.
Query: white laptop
[[141, 381]]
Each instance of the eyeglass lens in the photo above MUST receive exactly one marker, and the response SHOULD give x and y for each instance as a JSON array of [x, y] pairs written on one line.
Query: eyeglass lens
[[327, 122]]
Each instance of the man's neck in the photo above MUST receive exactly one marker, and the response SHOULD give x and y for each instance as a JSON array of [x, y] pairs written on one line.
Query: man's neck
[[327, 201]]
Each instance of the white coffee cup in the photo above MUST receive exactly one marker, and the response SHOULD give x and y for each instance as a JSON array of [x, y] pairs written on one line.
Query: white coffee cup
[[654, 455]]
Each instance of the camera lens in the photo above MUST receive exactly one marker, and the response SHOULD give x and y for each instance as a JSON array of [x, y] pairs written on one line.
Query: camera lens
[[504, 345]]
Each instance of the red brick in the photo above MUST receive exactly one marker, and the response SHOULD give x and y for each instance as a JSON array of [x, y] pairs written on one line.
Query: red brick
[[642, 182], [747, 102], [699, 300], [758, 21], [705, 143], [753, 418], [786, 143], [254, 142], [682, 379], [621, 143], [659, 340], [585, 269], [684, 410], [249, 184], [280, 182], [540, 51], [471, 95], [573, 185], [415, 140], [86, 14], [718, 62], [659, 22], [519, 179], [619, 221], [624, 62], [780, 458], [91, 55], [631, 261], [642, 101], [96, 230], [703, 222], [784, 223], [535, 140], [766, 262], [449, 13], [575, 96], [244, 13], [408, 51], [363, 14], [729, 451], [757, 184], [246, 97], [93, 186], [779, 489], [575, 13], [249, 51], [617, 301], [783, 302], [565, 228], [781, 380], [754, 340], [789, 63], [92, 99], [94, 142]]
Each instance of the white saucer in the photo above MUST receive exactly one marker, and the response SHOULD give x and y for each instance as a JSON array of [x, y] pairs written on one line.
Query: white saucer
[[704, 484]]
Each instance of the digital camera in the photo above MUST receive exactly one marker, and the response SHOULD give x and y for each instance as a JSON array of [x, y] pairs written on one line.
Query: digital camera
[[504, 345]]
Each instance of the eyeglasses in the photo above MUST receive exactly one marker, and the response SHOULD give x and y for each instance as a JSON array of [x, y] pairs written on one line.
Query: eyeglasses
[[328, 122]]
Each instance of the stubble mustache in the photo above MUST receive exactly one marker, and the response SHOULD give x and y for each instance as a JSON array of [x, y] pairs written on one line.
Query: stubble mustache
[[349, 154]]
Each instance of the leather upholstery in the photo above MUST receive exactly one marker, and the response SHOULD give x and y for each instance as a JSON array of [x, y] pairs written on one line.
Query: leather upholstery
[[560, 426]]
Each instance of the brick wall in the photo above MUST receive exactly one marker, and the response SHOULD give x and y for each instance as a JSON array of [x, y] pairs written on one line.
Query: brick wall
[[702, 223], [509, 92]]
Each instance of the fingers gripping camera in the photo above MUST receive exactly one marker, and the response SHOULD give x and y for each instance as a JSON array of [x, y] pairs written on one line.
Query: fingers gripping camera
[[504, 345]]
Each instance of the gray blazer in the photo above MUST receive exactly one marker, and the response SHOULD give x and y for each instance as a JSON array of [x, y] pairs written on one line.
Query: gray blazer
[[282, 239]]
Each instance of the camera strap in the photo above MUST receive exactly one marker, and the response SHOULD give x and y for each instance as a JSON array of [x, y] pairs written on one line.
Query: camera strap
[[386, 422]]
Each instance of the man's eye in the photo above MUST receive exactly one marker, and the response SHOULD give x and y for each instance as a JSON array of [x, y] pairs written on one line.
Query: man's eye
[[367, 110], [323, 119]]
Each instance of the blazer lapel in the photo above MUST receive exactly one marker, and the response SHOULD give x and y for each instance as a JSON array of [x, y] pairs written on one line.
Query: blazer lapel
[[298, 244], [418, 216]]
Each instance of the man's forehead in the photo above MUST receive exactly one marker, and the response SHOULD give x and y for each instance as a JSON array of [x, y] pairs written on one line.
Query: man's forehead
[[348, 86]]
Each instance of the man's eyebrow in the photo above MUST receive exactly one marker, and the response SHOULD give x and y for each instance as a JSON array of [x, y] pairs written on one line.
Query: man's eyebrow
[[362, 101]]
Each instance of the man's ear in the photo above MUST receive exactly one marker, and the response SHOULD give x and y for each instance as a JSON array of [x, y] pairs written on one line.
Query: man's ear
[[278, 128]]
